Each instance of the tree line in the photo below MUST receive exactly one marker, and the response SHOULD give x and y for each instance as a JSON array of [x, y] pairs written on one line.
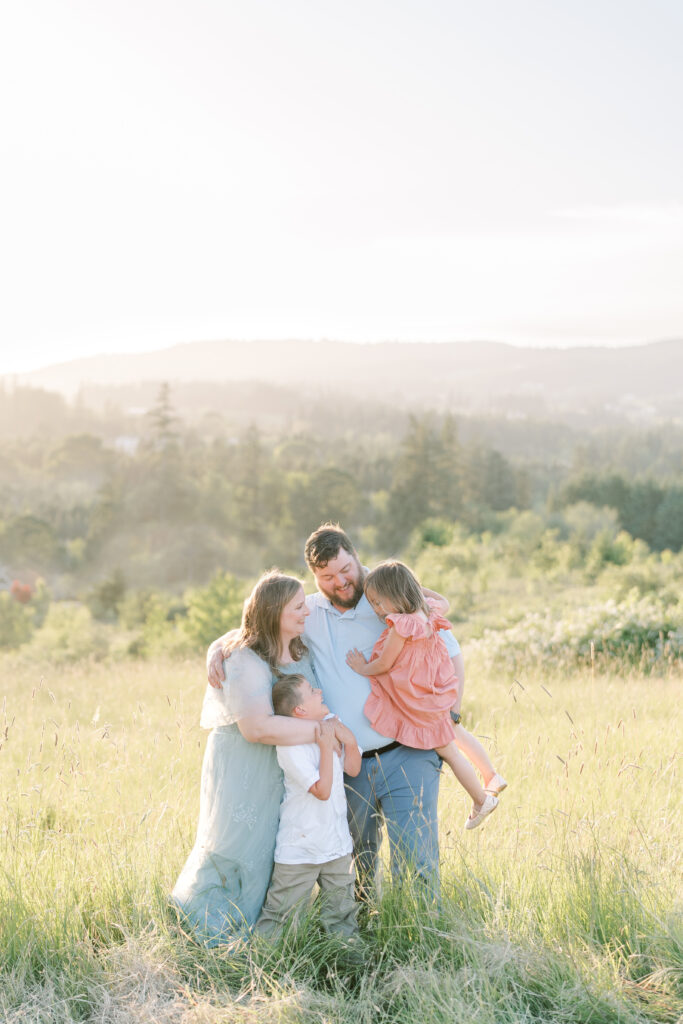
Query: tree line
[[177, 506]]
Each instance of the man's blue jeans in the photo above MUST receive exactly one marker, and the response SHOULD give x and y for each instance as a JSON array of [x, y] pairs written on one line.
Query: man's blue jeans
[[400, 787]]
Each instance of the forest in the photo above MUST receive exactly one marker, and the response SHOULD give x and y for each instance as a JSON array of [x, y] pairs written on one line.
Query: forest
[[136, 518]]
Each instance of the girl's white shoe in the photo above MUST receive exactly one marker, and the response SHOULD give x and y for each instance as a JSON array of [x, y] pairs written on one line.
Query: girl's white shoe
[[496, 784], [489, 805]]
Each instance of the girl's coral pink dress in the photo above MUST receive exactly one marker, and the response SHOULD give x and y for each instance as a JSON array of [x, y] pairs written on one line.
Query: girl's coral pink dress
[[412, 700]]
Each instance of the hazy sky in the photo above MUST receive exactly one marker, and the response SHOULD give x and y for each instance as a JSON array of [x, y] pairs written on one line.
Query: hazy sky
[[363, 170]]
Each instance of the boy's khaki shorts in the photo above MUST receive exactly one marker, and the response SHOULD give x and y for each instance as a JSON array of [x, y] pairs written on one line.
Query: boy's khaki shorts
[[291, 886]]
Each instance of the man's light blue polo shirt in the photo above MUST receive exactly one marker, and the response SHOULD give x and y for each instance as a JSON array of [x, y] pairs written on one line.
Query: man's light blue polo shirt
[[329, 634]]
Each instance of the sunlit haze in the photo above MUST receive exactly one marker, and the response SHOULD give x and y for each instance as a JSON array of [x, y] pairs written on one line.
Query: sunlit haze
[[361, 171]]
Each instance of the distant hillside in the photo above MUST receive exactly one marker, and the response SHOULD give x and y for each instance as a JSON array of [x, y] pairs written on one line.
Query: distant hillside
[[644, 381]]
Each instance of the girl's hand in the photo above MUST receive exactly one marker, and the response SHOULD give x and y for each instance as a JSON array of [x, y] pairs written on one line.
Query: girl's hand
[[356, 660]]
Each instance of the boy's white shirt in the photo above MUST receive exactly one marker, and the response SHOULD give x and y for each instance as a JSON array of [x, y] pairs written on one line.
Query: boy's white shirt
[[311, 831]]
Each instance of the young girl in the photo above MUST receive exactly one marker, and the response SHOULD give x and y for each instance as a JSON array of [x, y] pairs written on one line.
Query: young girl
[[413, 683]]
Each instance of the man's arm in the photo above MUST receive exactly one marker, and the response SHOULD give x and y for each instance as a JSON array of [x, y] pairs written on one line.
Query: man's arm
[[214, 662], [443, 602], [390, 652]]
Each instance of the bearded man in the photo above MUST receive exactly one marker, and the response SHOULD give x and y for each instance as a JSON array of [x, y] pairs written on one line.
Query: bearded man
[[398, 785]]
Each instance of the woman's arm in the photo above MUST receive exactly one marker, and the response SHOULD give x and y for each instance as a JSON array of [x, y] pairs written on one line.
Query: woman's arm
[[390, 652], [272, 729]]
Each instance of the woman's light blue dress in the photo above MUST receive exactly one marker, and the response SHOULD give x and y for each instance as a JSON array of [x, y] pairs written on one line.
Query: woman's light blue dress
[[223, 885]]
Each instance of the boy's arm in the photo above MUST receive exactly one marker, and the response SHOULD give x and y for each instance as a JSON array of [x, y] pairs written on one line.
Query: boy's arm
[[323, 787], [352, 755], [392, 649]]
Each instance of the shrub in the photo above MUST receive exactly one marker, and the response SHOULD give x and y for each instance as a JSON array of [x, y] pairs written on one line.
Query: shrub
[[16, 622], [638, 631], [213, 610], [20, 617], [159, 633], [68, 634], [105, 598]]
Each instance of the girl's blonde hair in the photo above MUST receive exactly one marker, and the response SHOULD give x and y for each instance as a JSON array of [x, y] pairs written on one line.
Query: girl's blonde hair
[[260, 629], [394, 580]]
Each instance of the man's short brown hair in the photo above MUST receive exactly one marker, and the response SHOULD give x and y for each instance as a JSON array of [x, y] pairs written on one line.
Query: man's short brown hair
[[325, 544], [286, 693]]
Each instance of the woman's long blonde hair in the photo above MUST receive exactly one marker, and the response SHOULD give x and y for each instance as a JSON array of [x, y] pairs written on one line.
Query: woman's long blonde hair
[[260, 629]]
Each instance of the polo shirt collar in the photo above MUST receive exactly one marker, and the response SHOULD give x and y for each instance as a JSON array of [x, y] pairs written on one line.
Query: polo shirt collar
[[349, 613]]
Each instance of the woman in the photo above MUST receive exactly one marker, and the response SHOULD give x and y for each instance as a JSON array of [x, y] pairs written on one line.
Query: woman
[[223, 884]]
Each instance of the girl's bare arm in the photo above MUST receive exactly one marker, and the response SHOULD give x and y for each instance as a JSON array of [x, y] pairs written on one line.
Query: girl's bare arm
[[392, 649]]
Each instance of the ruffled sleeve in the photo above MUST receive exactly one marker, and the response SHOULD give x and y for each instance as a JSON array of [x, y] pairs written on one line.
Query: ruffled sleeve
[[410, 626], [246, 691]]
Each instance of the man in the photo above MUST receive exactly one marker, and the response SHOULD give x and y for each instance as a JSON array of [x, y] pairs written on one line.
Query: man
[[396, 783]]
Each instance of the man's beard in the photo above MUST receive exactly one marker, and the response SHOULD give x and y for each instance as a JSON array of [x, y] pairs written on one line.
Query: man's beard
[[357, 593]]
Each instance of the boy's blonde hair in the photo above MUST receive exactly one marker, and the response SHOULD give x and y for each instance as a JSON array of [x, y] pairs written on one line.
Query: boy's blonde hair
[[395, 580], [286, 693]]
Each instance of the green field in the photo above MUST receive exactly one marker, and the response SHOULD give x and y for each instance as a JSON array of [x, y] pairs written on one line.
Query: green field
[[565, 906]]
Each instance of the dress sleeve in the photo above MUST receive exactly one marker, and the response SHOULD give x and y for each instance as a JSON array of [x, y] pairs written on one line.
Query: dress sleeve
[[246, 691], [410, 626]]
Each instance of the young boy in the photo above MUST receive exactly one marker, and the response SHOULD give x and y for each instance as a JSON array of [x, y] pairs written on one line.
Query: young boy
[[313, 840]]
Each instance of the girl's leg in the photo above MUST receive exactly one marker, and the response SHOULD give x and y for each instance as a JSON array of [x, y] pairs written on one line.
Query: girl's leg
[[473, 749], [463, 771], [493, 782]]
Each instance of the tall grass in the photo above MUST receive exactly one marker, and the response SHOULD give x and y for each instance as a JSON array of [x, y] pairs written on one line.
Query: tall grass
[[562, 907]]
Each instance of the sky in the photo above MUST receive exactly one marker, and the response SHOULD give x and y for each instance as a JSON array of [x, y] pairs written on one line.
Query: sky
[[365, 170]]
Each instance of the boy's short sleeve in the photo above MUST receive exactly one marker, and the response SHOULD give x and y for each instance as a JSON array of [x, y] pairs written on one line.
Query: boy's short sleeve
[[301, 764]]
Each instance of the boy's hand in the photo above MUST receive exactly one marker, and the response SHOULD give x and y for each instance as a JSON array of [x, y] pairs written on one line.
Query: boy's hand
[[325, 738], [343, 733], [328, 725], [356, 660]]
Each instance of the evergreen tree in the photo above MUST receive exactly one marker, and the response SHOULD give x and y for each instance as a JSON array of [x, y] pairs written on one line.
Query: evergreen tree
[[163, 419], [415, 484]]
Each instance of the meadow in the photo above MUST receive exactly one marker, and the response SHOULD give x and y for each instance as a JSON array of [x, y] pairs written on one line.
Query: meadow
[[563, 907]]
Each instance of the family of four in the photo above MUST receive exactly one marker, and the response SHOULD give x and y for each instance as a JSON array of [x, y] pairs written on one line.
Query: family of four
[[353, 695]]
